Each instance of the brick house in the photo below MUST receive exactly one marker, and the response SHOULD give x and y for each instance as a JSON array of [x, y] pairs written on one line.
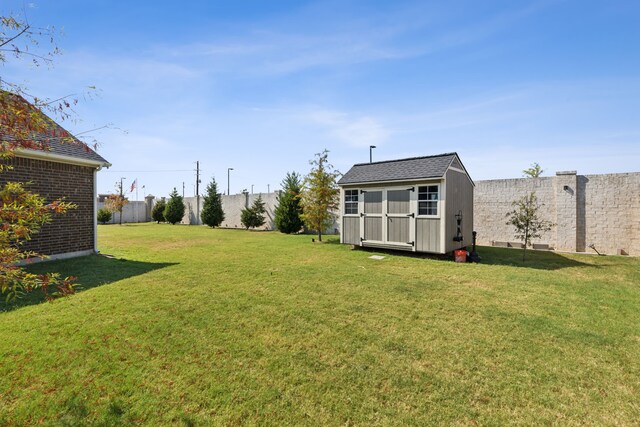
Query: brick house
[[66, 170]]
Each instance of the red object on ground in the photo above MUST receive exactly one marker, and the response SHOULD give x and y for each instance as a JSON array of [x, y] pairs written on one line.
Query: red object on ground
[[460, 255]]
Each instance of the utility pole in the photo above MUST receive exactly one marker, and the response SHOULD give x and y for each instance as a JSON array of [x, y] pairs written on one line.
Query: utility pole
[[197, 192], [183, 189], [267, 188], [121, 198]]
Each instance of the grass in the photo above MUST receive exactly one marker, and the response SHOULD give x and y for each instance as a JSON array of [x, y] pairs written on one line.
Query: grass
[[194, 326]]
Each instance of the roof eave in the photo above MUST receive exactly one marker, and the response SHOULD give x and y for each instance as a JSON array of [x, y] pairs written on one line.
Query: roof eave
[[46, 155], [391, 181]]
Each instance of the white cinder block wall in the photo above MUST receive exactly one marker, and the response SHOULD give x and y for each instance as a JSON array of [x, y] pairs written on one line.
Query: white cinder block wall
[[603, 210]]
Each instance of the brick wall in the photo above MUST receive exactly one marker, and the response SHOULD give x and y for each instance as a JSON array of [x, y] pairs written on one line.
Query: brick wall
[[69, 232], [603, 210]]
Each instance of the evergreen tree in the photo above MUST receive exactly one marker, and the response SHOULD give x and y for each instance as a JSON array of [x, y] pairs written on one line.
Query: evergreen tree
[[158, 211], [320, 194], [212, 213], [104, 215], [288, 213], [174, 211], [254, 216]]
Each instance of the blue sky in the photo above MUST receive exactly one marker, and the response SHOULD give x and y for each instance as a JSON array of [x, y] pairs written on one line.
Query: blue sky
[[262, 86]]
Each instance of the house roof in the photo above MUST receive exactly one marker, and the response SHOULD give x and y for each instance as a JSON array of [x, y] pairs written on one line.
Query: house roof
[[60, 144], [399, 170]]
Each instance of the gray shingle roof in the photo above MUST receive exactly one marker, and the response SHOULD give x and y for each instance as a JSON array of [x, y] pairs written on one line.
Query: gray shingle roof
[[59, 141], [75, 149], [399, 170]]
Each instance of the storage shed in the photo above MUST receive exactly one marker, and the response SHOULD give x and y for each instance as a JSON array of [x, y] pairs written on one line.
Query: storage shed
[[419, 204]]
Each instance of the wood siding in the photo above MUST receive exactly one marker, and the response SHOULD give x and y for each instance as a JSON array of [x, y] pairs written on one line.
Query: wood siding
[[398, 201], [459, 197], [373, 202], [428, 235], [351, 230], [456, 164], [373, 228], [398, 229]]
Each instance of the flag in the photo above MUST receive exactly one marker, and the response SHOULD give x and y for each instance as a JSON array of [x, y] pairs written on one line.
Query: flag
[[133, 185]]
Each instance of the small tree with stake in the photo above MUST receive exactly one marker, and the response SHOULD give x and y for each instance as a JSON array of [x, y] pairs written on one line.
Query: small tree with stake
[[320, 194], [212, 213], [526, 220], [115, 203]]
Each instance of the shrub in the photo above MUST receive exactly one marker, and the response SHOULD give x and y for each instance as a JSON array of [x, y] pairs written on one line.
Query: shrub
[[104, 215], [158, 211]]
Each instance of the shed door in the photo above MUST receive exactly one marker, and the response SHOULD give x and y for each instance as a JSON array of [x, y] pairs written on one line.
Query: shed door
[[372, 215], [399, 217]]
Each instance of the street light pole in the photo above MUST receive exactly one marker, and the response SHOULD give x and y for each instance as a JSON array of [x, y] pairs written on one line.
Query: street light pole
[[228, 181], [371, 147]]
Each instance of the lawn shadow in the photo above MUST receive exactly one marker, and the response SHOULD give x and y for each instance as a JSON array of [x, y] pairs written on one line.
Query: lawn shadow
[[540, 260], [91, 271]]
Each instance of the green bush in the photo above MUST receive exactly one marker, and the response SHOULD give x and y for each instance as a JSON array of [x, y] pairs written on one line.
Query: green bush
[[158, 211], [104, 215]]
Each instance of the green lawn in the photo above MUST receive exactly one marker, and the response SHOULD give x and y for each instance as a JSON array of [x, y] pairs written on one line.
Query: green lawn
[[193, 326]]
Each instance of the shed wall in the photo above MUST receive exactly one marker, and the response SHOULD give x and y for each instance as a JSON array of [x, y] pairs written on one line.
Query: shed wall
[[458, 197], [428, 235], [351, 230]]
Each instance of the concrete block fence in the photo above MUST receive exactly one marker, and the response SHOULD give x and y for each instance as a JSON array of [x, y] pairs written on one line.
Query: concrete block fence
[[600, 210]]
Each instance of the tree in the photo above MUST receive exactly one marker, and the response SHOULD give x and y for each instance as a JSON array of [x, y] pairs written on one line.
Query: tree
[[158, 211], [212, 213], [22, 214], [320, 194], [254, 216], [174, 211], [525, 217], [115, 203], [104, 215], [533, 172], [288, 213], [24, 125]]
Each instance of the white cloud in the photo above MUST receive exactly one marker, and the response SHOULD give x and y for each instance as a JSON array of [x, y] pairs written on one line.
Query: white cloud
[[357, 131]]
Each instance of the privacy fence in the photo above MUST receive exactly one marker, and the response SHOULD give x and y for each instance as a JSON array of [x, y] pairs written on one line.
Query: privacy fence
[[589, 212]]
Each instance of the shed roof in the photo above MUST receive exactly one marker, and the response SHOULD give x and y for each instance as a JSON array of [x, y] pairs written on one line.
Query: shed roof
[[58, 142], [399, 170]]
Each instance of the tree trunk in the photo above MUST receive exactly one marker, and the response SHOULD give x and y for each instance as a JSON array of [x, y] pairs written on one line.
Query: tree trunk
[[319, 235]]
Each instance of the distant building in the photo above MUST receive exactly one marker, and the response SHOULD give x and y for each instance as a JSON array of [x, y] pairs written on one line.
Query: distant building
[[67, 170]]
